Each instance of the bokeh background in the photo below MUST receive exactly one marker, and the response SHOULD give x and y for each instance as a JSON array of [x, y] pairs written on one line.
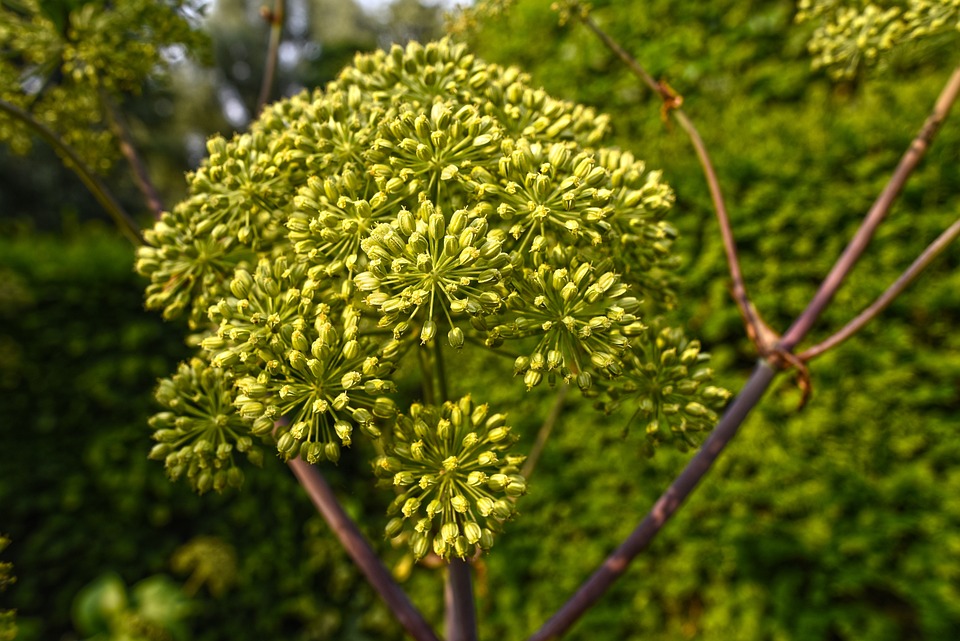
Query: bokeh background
[[840, 521]]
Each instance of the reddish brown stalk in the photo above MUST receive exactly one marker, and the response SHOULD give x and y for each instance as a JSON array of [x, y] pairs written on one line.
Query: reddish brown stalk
[[140, 175], [922, 262], [275, 18], [668, 503], [360, 551], [875, 216], [762, 336], [458, 595]]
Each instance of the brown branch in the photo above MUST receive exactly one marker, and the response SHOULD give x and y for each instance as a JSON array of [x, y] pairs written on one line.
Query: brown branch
[[360, 551], [72, 161], [875, 216], [668, 503], [275, 18], [922, 262], [140, 175]]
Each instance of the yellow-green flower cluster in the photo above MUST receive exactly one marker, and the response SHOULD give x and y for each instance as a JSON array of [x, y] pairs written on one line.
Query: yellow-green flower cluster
[[850, 35], [201, 432], [581, 316], [666, 384], [424, 270], [455, 478], [423, 200]]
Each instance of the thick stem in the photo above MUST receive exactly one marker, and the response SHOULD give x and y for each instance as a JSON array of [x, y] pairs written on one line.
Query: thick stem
[[273, 48], [458, 595], [360, 551], [668, 503], [90, 180], [922, 262], [875, 216]]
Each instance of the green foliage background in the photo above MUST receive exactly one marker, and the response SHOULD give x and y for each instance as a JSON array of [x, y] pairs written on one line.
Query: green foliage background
[[841, 521]]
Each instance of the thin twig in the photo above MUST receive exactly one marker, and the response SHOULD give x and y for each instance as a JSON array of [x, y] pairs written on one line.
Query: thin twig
[[668, 503], [757, 329], [922, 262], [71, 160], [360, 551], [140, 175], [544, 433], [461, 609], [875, 216], [275, 17]]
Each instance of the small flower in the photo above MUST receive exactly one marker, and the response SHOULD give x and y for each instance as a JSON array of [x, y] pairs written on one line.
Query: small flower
[[201, 432], [455, 478]]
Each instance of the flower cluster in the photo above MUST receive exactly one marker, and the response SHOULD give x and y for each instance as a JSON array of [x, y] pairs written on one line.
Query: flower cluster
[[455, 478], [201, 433], [849, 36], [423, 202], [666, 384]]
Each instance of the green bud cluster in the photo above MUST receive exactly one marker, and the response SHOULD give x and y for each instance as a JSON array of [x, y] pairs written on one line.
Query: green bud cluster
[[582, 317], [67, 60], [455, 478], [851, 35], [668, 386], [201, 433]]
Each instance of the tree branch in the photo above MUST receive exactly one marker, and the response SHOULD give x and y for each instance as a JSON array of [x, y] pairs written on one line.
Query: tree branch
[[360, 551], [71, 160], [668, 503], [922, 262], [875, 216]]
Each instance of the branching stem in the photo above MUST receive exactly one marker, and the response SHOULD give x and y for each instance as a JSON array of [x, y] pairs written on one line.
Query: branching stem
[[875, 216], [922, 262], [668, 503]]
